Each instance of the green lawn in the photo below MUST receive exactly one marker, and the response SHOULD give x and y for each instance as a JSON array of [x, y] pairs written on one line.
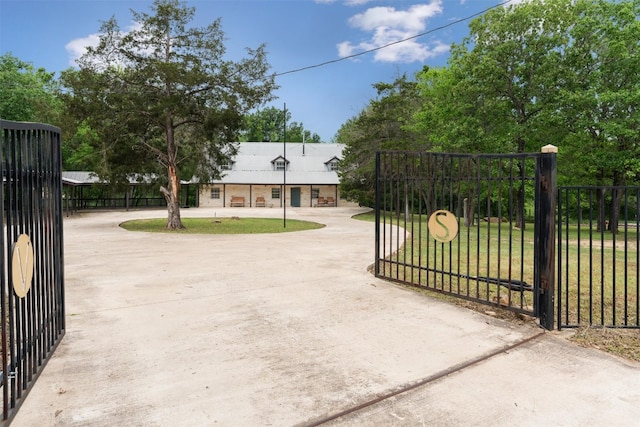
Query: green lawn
[[605, 265], [229, 225], [599, 278]]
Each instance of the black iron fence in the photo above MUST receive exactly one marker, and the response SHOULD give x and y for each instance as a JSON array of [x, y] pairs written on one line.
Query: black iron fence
[[32, 291], [74, 203], [101, 196], [598, 256], [478, 227]]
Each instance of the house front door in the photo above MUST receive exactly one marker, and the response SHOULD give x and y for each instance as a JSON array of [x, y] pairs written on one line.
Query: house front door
[[295, 197]]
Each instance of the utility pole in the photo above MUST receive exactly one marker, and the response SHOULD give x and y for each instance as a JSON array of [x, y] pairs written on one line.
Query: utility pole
[[284, 189]]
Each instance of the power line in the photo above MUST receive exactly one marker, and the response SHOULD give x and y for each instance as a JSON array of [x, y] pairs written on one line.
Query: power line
[[433, 30]]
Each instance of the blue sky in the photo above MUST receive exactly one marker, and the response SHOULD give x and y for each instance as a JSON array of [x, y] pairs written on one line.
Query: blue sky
[[297, 34]]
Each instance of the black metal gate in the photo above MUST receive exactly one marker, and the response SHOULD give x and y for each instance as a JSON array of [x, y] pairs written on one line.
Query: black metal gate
[[598, 257], [32, 292], [478, 227]]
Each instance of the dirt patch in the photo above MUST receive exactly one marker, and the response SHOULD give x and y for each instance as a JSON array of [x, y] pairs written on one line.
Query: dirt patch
[[621, 342], [598, 244]]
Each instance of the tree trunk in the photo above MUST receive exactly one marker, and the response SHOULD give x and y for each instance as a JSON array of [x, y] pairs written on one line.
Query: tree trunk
[[469, 211], [427, 197], [520, 223], [614, 216], [601, 224], [171, 195], [470, 192], [519, 196]]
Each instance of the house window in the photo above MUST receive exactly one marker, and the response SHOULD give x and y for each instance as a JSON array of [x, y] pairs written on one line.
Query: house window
[[333, 165], [315, 193], [280, 165], [275, 193], [226, 166], [215, 193]]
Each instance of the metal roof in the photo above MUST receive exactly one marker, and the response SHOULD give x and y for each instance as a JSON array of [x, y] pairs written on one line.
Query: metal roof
[[80, 178], [307, 164], [89, 178]]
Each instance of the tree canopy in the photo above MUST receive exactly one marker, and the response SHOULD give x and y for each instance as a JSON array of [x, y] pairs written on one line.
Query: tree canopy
[[563, 72], [27, 94], [270, 124], [163, 97], [163, 100], [382, 125]]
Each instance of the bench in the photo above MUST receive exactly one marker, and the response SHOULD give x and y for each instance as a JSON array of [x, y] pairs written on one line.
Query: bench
[[237, 202], [260, 203], [329, 201]]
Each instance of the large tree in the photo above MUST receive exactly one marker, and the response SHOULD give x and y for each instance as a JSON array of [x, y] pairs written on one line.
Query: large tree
[[270, 124], [600, 100], [164, 95], [27, 93], [510, 62], [380, 126], [454, 114], [511, 59], [565, 72]]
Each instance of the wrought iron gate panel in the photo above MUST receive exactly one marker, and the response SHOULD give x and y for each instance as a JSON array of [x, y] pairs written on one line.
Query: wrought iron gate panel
[[31, 199], [598, 274], [493, 198]]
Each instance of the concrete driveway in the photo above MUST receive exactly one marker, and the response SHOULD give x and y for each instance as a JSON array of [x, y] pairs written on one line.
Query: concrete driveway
[[291, 329]]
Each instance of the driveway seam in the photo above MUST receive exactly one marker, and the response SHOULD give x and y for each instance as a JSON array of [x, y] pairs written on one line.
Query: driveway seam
[[411, 386]]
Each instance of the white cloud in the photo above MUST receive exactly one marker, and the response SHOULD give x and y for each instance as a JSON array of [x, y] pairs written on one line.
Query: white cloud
[[413, 19], [346, 2], [78, 47], [387, 25], [357, 2]]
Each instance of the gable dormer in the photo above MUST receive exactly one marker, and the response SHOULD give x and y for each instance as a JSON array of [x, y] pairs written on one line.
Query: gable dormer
[[280, 164], [332, 164], [227, 166]]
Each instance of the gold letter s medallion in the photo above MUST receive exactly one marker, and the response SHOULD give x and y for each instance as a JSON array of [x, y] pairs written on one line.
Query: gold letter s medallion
[[443, 226]]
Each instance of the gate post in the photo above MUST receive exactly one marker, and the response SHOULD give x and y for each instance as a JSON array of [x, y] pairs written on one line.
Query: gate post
[[377, 232], [546, 236]]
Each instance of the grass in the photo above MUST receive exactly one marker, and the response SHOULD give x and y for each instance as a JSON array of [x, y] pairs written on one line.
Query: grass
[[229, 225], [621, 342], [489, 251], [611, 277]]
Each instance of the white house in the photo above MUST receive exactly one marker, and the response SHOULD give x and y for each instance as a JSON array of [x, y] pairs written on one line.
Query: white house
[[264, 175]]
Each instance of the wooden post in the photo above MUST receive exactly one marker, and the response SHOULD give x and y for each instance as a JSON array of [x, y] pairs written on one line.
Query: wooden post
[[546, 236]]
